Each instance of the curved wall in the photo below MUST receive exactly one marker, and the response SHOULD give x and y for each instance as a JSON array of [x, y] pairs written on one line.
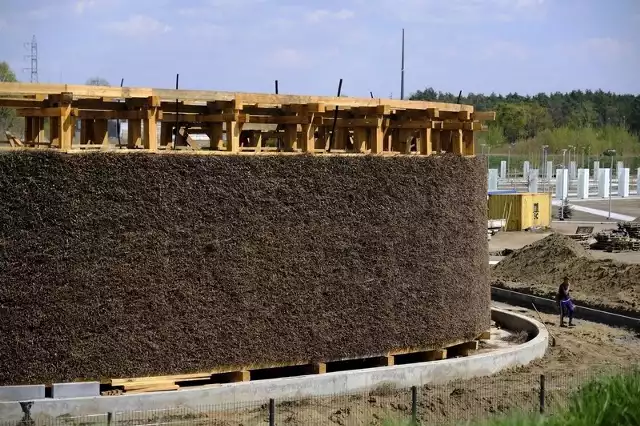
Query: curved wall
[[124, 265]]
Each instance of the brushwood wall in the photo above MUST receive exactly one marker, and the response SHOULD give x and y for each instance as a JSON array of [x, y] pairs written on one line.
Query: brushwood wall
[[124, 265]]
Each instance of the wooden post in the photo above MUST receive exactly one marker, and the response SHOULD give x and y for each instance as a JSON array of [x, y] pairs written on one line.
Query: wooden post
[[257, 140], [86, 131], [28, 130], [54, 131], [149, 123], [360, 138], [216, 141], [100, 133], [39, 136], [456, 142], [322, 141], [426, 147], [165, 133], [233, 135], [468, 142], [290, 137], [436, 140], [376, 141], [65, 124], [134, 133]]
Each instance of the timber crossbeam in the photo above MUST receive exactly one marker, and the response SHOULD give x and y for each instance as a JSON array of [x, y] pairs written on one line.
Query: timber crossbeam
[[70, 117]]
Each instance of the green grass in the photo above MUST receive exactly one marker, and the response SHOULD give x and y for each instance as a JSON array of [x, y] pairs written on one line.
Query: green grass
[[606, 401]]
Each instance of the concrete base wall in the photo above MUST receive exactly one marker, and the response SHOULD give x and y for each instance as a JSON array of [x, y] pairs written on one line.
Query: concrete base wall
[[304, 386]]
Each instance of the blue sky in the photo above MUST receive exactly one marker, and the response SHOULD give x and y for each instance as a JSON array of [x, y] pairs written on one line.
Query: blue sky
[[524, 46]]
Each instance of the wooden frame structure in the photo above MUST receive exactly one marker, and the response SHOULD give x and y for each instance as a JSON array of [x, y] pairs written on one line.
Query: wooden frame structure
[[239, 122]]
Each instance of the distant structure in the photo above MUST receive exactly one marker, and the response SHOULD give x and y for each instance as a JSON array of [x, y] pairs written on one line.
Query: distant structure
[[33, 59]]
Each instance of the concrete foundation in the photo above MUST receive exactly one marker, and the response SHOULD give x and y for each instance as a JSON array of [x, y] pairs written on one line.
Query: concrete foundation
[[401, 376], [623, 182], [583, 184], [75, 390], [493, 179], [503, 170], [562, 183], [21, 393], [604, 180]]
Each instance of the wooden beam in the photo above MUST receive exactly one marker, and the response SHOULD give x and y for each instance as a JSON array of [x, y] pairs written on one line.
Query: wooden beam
[[101, 132], [290, 137], [233, 135], [457, 146], [484, 116], [376, 142], [79, 91], [215, 132], [66, 128], [468, 142], [134, 133], [425, 147], [360, 139]]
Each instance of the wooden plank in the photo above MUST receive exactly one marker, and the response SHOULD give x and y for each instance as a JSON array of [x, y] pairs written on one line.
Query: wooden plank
[[100, 132], [81, 91], [233, 136], [457, 145], [486, 335], [360, 139], [468, 142], [484, 115], [157, 388], [426, 145], [42, 112], [67, 128], [376, 141], [150, 130], [134, 134]]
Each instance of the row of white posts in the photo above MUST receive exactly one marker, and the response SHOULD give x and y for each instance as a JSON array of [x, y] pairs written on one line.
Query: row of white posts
[[564, 176]]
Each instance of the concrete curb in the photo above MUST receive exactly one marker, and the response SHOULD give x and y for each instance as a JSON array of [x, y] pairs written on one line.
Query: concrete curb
[[235, 394], [549, 306]]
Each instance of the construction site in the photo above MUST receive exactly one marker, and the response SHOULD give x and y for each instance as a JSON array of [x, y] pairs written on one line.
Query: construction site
[[241, 249]]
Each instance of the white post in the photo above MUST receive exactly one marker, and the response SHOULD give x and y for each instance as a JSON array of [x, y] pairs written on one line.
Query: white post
[[549, 170], [493, 179], [623, 182], [596, 169], [503, 170], [619, 167], [533, 180], [525, 169], [604, 177], [583, 184], [562, 183], [573, 170]]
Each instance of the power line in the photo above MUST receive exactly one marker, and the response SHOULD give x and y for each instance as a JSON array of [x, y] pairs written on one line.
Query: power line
[[32, 57]]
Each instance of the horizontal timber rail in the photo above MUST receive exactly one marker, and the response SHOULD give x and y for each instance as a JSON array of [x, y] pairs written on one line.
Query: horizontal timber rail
[[174, 382], [68, 117]]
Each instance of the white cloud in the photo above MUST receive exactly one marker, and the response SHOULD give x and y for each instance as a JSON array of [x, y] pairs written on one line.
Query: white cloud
[[506, 50], [288, 58], [138, 26], [81, 5], [437, 11], [323, 14], [607, 46], [206, 30]]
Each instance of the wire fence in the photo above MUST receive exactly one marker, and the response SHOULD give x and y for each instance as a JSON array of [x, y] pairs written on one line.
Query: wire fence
[[454, 403]]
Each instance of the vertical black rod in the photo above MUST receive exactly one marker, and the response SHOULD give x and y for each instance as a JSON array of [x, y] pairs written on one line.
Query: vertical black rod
[[371, 93], [278, 139], [118, 128], [272, 412], [542, 393], [276, 87], [414, 404], [175, 142], [402, 70], [459, 97], [335, 119]]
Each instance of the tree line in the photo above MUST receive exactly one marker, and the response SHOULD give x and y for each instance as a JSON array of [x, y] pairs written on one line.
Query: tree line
[[521, 117]]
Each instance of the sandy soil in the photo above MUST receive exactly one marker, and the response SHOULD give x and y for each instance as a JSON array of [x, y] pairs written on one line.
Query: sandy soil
[[579, 354]]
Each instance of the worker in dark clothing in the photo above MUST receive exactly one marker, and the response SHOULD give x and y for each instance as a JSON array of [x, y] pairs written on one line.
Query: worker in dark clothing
[[565, 303]]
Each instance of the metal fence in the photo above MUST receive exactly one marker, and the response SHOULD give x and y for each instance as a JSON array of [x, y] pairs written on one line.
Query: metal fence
[[453, 403]]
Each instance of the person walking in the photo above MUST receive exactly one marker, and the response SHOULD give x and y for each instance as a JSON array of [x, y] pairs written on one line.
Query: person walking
[[565, 303]]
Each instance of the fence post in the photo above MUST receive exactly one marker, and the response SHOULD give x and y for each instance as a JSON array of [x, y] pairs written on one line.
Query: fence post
[[414, 405], [272, 412], [109, 418], [542, 393]]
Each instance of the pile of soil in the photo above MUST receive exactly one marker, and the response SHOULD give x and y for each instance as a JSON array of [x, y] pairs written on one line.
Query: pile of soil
[[126, 265], [540, 267]]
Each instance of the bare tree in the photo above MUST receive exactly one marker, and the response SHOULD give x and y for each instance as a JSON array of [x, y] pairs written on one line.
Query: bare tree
[[97, 81]]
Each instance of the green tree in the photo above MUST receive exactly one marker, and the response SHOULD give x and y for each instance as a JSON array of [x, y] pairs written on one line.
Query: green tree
[[8, 119]]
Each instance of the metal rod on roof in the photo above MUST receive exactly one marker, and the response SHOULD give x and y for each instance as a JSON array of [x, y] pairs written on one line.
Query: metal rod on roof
[[402, 70], [118, 120], [371, 93], [276, 87], [175, 142], [335, 119]]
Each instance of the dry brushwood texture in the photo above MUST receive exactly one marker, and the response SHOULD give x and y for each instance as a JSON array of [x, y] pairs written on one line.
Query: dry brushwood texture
[[601, 283], [128, 265]]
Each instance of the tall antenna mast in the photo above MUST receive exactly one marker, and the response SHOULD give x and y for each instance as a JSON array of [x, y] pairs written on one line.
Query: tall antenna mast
[[33, 58], [402, 70]]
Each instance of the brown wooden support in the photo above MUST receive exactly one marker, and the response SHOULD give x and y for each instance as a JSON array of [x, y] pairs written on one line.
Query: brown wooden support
[[436, 140], [86, 131], [426, 147], [456, 142], [134, 133], [215, 132], [28, 130], [233, 129], [66, 128], [468, 142], [166, 136], [376, 142], [290, 137], [360, 139], [100, 132], [150, 132]]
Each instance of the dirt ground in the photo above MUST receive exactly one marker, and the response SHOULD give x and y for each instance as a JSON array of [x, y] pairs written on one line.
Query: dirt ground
[[580, 354]]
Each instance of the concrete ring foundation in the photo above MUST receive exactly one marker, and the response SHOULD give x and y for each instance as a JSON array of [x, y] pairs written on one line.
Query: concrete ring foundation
[[400, 376]]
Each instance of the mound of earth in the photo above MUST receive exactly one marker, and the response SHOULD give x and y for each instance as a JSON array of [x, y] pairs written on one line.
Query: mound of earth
[[540, 267]]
